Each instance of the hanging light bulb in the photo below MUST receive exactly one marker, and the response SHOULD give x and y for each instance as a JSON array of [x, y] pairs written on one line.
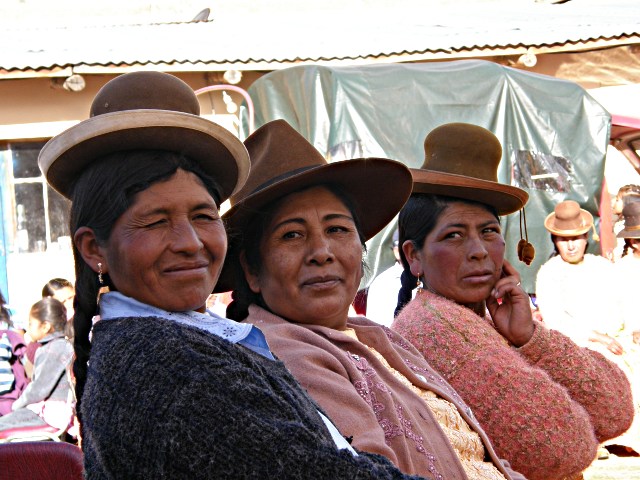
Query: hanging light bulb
[[228, 101]]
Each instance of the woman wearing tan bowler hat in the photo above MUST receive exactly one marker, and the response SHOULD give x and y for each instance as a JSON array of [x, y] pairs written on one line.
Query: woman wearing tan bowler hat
[[576, 291], [166, 389], [544, 401], [299, 227]]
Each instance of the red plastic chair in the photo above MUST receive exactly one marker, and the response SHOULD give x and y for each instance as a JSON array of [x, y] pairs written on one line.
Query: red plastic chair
[[40, 461]]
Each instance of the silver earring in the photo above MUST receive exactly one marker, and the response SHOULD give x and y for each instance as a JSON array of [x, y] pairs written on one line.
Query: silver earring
[[419, 283], [100, 281]]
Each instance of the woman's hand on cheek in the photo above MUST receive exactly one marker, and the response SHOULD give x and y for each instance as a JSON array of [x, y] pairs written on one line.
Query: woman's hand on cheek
[[510, 308]]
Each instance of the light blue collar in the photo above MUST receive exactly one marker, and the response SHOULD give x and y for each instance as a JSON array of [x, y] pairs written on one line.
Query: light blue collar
[[115, 305]]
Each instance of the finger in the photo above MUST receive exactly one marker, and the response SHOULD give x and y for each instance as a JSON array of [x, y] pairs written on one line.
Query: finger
[[510, 270]]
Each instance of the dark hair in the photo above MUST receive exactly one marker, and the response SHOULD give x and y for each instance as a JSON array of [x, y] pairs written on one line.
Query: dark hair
[[104, 191], [52, 286], [416, 220], [5, 315], [627, 246], [52, 311], [248, 242]]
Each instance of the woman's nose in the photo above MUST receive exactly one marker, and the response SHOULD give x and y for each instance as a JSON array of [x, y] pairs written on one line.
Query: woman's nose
[[320, 249], [185, 238], [477, 248]]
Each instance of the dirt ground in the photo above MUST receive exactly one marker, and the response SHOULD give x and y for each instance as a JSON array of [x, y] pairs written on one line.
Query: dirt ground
[[616, 467]]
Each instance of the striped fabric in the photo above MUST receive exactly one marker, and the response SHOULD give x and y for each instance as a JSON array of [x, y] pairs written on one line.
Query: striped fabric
[[6, 372]]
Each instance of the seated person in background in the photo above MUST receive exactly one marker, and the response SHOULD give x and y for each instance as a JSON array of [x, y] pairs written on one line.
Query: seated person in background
[[626, 194], [166, 389], [544, 401], [298, 230], [45, 401], [62, 290], [13, 378], [382, 296]]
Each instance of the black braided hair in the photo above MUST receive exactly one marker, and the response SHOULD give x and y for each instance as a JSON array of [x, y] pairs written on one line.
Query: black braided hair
[[627, 246], [104, 191]]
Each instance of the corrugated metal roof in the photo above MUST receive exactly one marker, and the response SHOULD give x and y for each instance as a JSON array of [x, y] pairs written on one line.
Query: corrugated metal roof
[[279, 40]]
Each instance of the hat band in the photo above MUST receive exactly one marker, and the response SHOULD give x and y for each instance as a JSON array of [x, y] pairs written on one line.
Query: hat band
[[281, 177], [632, 227]]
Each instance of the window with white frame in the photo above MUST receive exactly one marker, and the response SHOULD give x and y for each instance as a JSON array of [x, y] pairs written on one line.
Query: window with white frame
[[37, 214]]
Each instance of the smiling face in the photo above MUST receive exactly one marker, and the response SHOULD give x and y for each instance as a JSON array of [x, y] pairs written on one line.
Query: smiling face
[[462, 256], [167, 249], [311, 259], [571, 249]]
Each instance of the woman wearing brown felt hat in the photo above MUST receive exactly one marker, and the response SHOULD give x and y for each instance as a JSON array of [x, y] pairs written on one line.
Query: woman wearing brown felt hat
[[531, 388], [166, 389], [298, 230]]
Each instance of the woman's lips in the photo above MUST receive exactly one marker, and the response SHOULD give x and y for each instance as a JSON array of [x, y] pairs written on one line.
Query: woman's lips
[[321, 283], [479, 277], [187, 268]]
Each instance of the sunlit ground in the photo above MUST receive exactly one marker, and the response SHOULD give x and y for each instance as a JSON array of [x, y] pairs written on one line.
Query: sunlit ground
[[614, 468]]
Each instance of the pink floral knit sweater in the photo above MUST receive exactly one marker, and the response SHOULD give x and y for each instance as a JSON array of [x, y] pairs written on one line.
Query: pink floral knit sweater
[[545, 405]]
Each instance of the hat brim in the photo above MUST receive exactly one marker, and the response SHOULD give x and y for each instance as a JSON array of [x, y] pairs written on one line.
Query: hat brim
[[219, 153], [629, 233], [378, 188], [587, 219], [504, 198]]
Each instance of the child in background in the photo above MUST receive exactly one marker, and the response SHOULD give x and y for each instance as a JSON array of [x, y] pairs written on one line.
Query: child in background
[[45, 400]]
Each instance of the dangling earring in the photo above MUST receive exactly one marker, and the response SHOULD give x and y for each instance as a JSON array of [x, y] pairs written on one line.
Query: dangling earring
[[419, 283], [100, 280]]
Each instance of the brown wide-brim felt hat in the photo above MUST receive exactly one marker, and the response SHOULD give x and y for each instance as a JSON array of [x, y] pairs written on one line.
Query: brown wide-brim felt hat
[[631, 214], [145, 111], [568, 220], [461, 161], [284, 162]]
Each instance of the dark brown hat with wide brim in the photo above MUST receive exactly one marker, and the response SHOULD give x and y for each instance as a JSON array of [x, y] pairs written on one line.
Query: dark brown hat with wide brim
[[631, 214], [568, 220], [145, 111], [461, 161], [284, 162]]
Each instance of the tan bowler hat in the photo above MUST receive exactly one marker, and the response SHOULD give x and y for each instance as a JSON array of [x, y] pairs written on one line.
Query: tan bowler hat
[[145, 110], [568, 220]]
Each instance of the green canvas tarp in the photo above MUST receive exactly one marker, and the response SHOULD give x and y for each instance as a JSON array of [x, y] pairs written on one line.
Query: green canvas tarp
[[554, 134]]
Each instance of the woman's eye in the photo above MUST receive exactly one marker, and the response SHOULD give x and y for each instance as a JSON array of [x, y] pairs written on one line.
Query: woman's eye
[[290, 235], [157, 223], [339, 228], [453, 235], [206, 217]]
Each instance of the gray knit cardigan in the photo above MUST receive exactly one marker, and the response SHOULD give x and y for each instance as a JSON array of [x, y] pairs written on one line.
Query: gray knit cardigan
[[168, 401]]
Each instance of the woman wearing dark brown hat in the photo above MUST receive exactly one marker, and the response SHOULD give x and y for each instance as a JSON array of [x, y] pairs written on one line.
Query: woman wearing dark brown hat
[[166, 390], [544, 401], [295, 266]]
